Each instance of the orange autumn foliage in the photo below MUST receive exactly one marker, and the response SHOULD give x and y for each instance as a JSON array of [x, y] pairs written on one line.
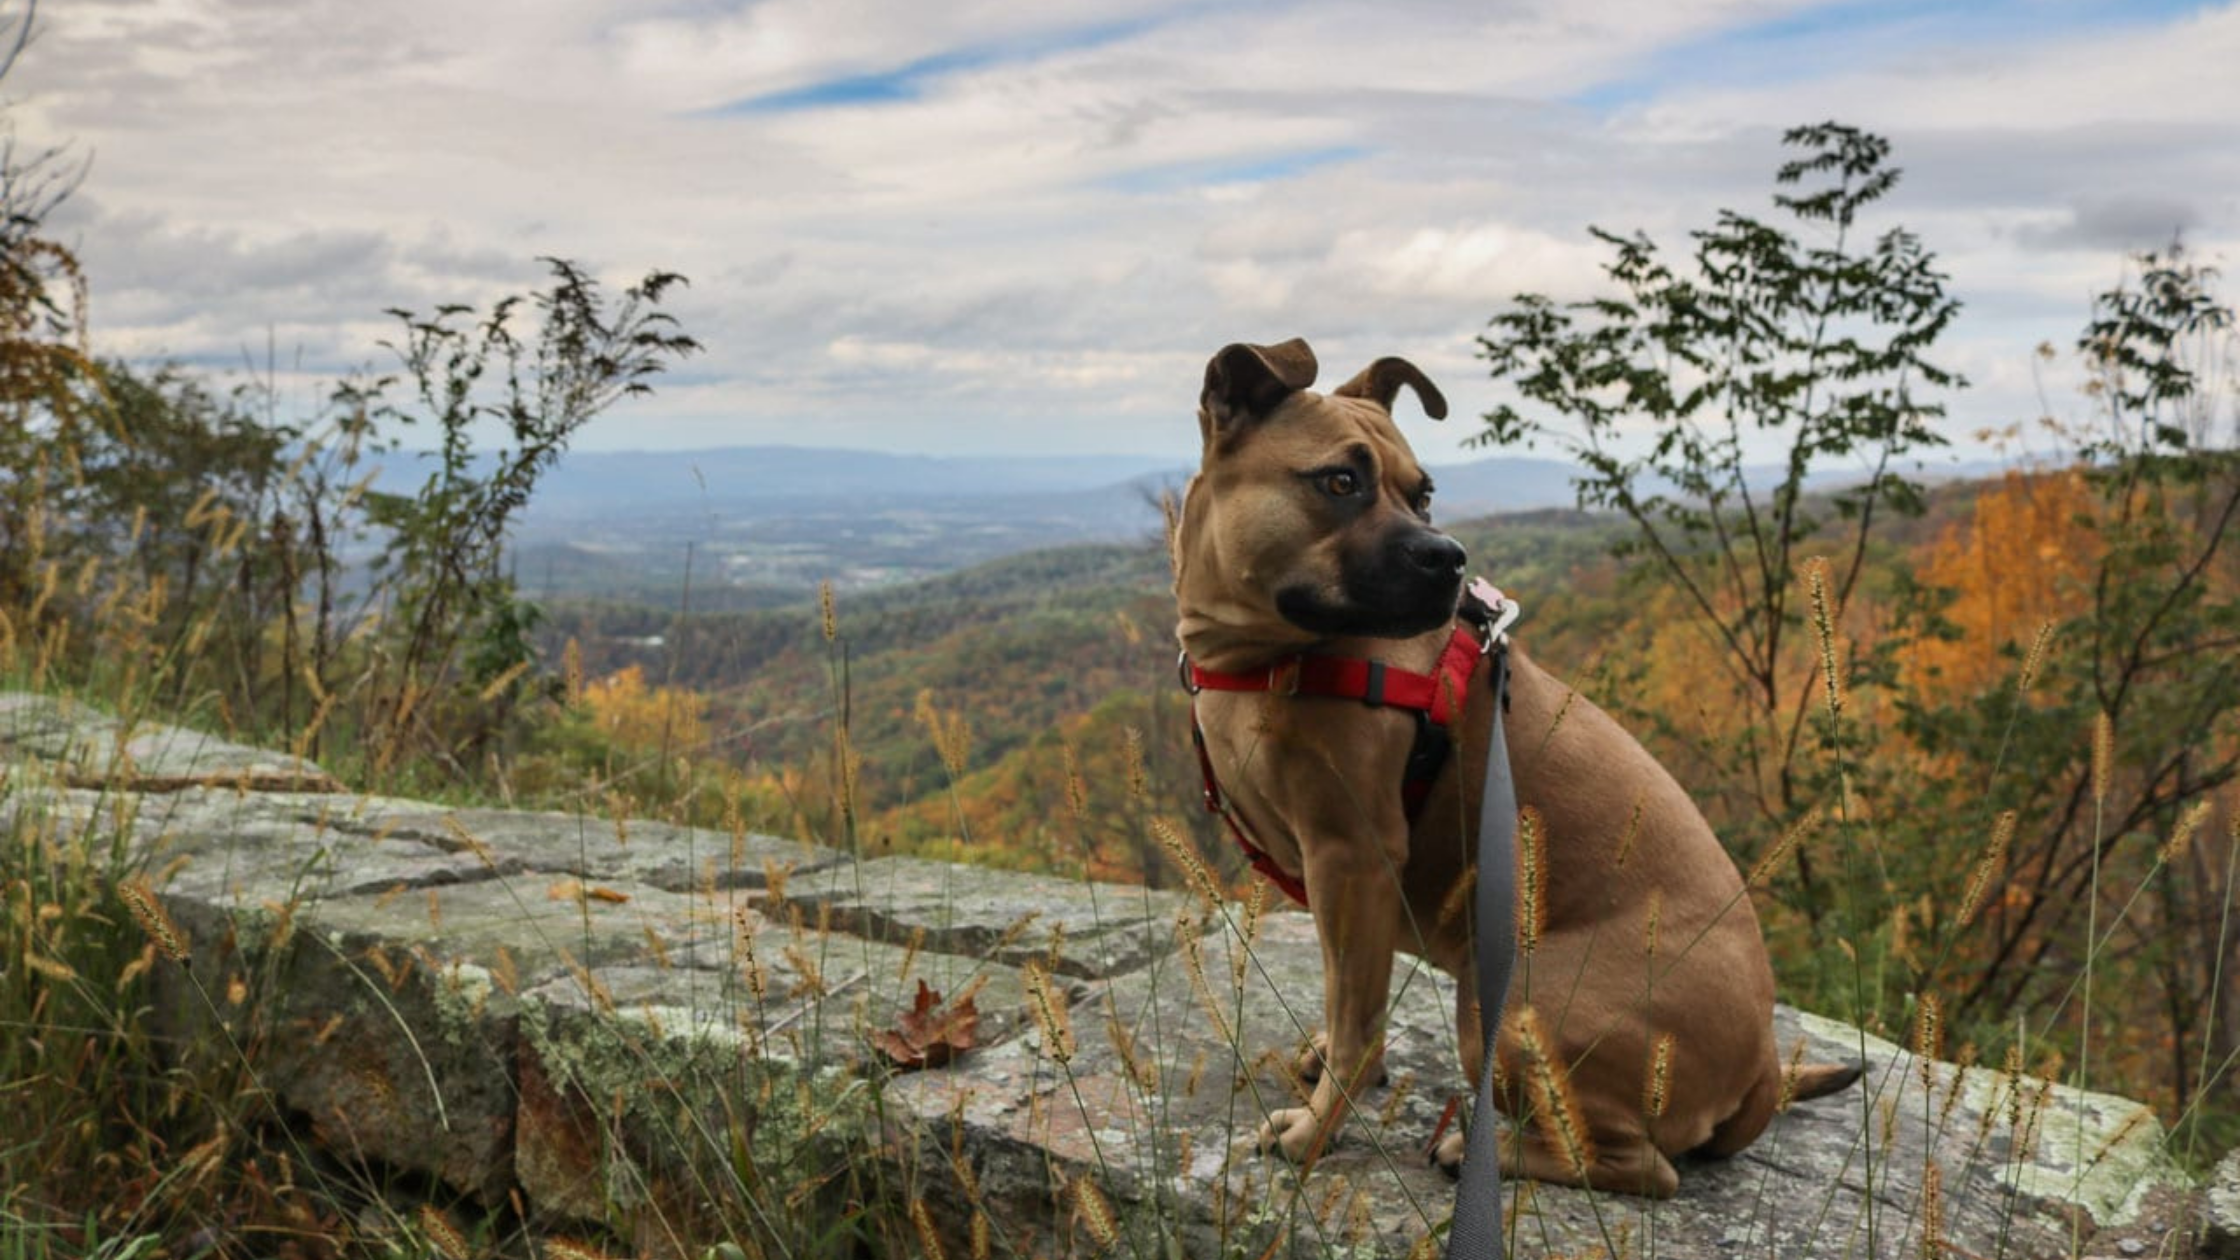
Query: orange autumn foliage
[[2025, 556]]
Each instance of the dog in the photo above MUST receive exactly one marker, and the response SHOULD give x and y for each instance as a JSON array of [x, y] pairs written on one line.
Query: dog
[[1306, 537]]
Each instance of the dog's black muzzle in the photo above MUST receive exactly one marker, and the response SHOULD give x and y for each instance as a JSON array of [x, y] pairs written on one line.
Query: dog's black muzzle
[[1403, 584]]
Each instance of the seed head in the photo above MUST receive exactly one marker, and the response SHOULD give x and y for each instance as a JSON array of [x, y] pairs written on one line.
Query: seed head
[[154, 919], [1987, 866]]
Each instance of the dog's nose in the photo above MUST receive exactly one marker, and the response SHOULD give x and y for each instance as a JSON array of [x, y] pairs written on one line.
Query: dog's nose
[[1436, 555]]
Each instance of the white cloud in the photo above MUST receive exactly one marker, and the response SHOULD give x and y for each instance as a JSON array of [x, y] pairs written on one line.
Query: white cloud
[[1035, 223]]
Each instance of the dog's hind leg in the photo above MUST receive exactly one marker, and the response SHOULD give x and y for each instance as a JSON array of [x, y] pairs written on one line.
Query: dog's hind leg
[[1629, 1165]]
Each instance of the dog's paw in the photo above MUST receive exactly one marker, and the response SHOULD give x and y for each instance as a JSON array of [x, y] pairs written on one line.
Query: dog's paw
[[1291, 1133], [1446, 1153]]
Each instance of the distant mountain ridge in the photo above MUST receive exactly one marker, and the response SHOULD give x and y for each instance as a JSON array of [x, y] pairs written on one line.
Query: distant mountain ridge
[[754, 525], [754, 481]]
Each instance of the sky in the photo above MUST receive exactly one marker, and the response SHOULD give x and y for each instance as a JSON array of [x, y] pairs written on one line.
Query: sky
[[976, 227]]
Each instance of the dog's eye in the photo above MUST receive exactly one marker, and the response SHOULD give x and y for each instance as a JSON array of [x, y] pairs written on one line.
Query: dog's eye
[[1340, 483]]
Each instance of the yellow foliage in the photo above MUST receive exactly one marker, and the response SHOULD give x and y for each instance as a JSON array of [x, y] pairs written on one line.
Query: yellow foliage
[[642, 719]]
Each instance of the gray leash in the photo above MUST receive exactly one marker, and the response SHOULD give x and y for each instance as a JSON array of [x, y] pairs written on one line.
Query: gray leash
[[1476, 1231]]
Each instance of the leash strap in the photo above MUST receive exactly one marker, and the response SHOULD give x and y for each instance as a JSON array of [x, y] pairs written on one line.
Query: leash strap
[[1476, 1231]]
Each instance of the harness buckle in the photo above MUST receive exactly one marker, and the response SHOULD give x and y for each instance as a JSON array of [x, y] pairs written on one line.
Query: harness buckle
[[1182, 673], [1502, 613]]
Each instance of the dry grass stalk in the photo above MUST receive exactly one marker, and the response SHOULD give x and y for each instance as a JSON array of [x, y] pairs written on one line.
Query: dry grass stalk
[[472, 843], [2181, 836], [929, 1238], [442, 1234], [1170, 519], [1824, 635], [1932, 1212], [2035, 658], [1403, 1088], [910, 950], [1555, 1107], [1459, 899], [1046, 1002], [1190, 941], [571, 672], [2131, 1124], [951, 740], [1185, 857], [1789, 1072], [1095, 1214], [809, 977], [1773, 859], [58, 972], [497, 686], [1532, 879], [148, 911], [1928, 1039], [1632, 832], [1011, 934], [2103, 756], [1077, 787], [1987, 866], [1657, 1091], [1138, 1067]]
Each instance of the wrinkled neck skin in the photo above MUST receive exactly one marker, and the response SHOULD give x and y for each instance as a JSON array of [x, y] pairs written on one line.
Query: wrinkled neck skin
[[1226, 618], [1221, 624]]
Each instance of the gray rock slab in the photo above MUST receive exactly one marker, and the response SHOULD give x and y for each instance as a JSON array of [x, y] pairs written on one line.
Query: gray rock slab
[[2219, 1228], [644, 1024], [87, 744], [1080, 929], [592, 847], [252, 848]]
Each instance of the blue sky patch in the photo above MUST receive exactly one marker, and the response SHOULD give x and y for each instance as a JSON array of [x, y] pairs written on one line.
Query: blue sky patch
[[1173, 176], [910, 80], [1819, 42]]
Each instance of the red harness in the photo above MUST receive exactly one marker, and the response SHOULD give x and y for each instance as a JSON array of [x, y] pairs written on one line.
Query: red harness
[[1434, 697]]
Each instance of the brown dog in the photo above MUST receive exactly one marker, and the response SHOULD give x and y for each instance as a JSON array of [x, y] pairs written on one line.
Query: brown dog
[[1307, 532]]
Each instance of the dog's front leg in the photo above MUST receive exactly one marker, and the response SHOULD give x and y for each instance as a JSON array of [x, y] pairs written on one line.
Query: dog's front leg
[[1354, 893]]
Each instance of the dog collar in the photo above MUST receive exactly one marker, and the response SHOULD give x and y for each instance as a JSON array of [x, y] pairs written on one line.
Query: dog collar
[[1434, 698], [1349, 678]]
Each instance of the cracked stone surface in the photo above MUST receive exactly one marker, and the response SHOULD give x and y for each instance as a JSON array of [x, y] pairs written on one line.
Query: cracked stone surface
[[631, 1022]]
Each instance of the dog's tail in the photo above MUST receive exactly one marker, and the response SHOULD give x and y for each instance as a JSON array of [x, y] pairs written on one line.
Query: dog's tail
[[1818, 1080]]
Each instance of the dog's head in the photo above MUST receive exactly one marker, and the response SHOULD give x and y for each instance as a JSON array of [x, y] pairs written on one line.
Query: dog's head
[[1312, 506]]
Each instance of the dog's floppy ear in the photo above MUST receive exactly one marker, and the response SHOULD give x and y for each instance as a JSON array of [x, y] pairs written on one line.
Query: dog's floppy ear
[[1245, 380], [1381, 381]]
